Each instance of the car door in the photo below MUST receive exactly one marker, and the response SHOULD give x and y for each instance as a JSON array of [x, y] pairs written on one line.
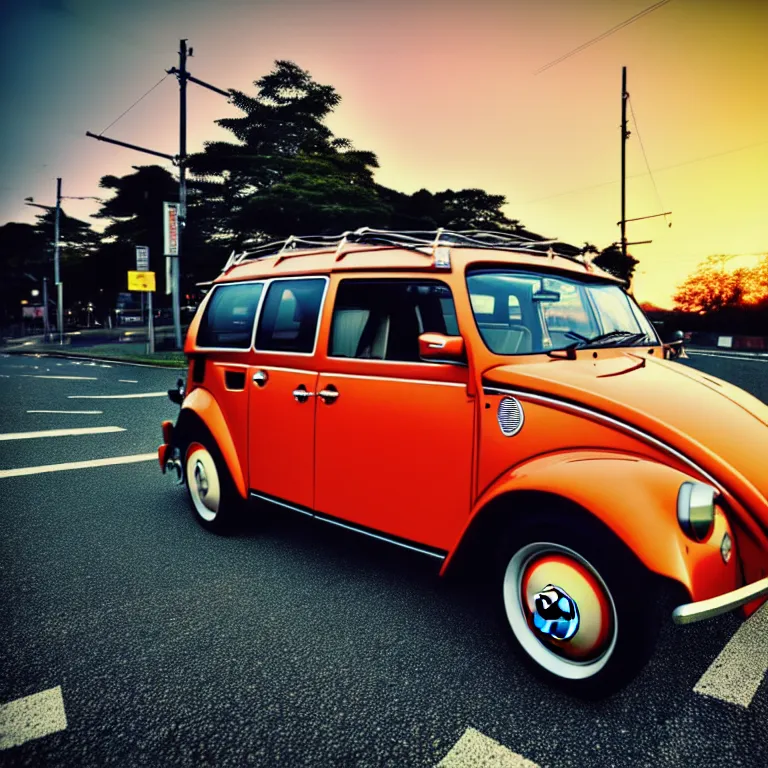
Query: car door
[[282, 386], [393, 433]]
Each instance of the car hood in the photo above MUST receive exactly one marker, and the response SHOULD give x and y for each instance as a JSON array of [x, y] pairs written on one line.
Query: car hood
[[719, 427]]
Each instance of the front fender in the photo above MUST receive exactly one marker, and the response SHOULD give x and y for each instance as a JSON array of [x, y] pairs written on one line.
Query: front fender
[[635, 498], [202, 403]]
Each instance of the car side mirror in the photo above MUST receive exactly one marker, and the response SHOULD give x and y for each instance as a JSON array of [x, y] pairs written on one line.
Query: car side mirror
[[437, 347]]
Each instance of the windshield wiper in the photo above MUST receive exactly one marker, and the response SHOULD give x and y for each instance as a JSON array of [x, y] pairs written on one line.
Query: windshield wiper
[[626, 337]]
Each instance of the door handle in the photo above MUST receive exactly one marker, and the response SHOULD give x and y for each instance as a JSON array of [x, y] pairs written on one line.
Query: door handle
[[260, 378], [329, 394], [301, 394]]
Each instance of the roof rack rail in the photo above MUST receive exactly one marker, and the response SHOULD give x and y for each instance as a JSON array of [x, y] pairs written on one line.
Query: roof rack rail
[[426, 242]]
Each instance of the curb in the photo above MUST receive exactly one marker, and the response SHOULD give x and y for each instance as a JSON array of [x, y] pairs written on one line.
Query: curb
[[65, 356]]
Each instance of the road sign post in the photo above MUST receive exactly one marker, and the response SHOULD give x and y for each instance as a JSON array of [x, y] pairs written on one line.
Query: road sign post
[[144, 281]]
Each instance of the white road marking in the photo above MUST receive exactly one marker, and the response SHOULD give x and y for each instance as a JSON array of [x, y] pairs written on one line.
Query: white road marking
[[735, 675], [77, 465], [759, 358], [32, 717], [4, 376], [475, 750], [43, 376], [89, 412], [117, 397], [60, 432], [128, 381]]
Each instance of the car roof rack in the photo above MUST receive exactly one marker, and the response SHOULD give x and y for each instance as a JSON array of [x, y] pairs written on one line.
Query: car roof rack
[[433, 244]]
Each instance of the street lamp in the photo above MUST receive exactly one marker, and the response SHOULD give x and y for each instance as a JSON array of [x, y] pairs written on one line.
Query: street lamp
[[57, 280]]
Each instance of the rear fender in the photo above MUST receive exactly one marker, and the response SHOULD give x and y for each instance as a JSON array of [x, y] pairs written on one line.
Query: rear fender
[[202, 404], [633, 497]]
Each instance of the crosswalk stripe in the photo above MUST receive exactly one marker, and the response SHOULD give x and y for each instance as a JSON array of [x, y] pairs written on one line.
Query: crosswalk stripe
[[735, 675], [476, 750], [32, 717], [22, 471], [60, 432]]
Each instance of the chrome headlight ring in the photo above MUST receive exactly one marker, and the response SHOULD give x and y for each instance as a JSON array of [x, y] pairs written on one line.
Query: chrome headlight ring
[[696, 510]]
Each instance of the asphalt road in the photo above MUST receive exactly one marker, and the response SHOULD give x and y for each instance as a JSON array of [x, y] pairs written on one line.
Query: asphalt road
[[289, 643]]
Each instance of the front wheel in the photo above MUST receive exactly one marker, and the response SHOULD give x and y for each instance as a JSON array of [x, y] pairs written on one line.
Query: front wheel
[[578, 610], [212, 495]]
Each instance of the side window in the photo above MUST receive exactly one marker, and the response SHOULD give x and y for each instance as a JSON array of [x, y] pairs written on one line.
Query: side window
[[288, 321], [228, 318], [383, 319]]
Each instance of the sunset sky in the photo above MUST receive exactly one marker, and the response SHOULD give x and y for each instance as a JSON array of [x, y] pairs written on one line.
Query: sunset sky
[[443, 91]]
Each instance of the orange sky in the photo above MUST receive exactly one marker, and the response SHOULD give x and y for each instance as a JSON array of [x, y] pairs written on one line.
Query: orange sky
[[444, 92]]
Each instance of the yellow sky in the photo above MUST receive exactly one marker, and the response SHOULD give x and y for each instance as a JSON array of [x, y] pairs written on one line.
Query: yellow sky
[[445, 93]]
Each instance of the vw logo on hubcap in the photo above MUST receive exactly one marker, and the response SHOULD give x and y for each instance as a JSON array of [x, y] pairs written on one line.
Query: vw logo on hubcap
[[556, 613]]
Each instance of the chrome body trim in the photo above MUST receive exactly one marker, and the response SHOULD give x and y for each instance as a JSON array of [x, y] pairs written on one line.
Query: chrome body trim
[[284, 370], [270, 500], [714, 606], [323, 519], [608, 419], [391, 378]]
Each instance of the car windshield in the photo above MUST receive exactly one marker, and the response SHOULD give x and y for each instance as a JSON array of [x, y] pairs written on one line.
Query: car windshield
[[520, 313]]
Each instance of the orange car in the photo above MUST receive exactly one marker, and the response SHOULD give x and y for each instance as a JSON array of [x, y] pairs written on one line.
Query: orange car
[[477, 397]]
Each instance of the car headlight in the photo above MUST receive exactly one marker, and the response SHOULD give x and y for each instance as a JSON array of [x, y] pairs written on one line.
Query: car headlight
[[696, 510]]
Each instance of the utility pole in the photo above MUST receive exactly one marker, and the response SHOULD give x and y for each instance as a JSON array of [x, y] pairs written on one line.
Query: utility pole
[[180, 160], [176, 260], [56, 275], [46, 325], [624, 137]]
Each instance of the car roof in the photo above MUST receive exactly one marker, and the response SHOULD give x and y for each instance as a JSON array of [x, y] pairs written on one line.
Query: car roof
[[436, 252]]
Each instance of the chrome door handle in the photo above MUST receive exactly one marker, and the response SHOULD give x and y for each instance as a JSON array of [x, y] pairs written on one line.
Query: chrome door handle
[[301, 394], [328, 395], [260, 378]]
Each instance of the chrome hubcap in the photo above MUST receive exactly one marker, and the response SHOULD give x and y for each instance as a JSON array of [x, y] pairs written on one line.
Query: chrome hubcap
[[560, 610], [201, 479], [556, 613]]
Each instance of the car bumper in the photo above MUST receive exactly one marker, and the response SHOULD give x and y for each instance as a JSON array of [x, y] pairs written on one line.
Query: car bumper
[[714, 606]]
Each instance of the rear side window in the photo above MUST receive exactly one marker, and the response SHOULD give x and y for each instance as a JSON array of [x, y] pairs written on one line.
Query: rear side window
[[228, 318], [288, 321], [382, 319]]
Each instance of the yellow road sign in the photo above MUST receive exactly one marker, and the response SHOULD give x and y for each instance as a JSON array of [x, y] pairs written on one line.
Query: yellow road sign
[[141, 281]]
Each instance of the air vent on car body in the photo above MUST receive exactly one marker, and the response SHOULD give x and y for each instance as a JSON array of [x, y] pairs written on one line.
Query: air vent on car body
[[510, 415]]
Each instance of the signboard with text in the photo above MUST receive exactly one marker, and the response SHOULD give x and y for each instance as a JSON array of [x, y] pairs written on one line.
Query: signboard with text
[[142, 258], [141, 281], [171, 228]]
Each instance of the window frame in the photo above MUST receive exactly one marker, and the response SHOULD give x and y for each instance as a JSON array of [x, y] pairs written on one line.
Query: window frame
[[256, 314], [266, 282], [389, 280], [320, 311], [541, 273]]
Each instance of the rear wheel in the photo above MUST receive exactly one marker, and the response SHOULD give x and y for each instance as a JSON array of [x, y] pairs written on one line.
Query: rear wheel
[[579, 607], [212, 494]]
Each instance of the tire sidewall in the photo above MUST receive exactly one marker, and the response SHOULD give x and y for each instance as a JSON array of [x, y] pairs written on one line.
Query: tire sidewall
[[224, 519], [628, 585]]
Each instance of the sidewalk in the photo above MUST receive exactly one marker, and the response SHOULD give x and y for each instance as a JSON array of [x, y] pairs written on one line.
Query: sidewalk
[[111, 345]]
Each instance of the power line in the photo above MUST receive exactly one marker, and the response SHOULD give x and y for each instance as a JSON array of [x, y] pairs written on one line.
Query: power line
[[134, 104], [597, 39], [645, 157], [639, 175]]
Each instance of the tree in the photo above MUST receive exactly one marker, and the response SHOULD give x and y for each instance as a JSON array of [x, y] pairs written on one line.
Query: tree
[[24, 261], [710, 288], [287, 173], [612, 260]]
